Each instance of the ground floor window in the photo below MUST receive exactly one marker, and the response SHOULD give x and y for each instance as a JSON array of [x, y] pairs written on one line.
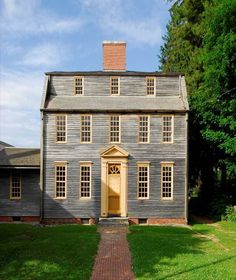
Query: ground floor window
[[143, 180], [60, 179], [167, 180], [85, 180], [15, 186]]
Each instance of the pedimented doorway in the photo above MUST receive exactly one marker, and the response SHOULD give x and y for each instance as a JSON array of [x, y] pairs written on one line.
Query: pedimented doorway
[[114, 178]]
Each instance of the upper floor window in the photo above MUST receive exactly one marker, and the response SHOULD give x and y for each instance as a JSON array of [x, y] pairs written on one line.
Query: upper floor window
[[167, 180], [79, 85], [85, 180], [61, 121], [167, 129], [86, 129], [15, 186], [115, 129], [151, 85], [143, 180], [144, 126], [60, 179], [115, 85]]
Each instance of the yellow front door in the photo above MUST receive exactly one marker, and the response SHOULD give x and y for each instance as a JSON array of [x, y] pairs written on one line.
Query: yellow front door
[[114, 189]]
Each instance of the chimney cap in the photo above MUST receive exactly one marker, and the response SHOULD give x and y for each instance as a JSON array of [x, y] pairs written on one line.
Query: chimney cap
[[113, 42]]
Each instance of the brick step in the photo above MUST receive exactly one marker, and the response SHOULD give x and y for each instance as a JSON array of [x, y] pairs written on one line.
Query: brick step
[[113, 221]]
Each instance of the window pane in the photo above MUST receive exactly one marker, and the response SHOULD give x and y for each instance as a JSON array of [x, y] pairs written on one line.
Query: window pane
[[61, 128], [143, 181], [60, 177], [144, 129], [115, 129], [167, 179], [79, 85], [167, 129], [85, 129], [85, 180]]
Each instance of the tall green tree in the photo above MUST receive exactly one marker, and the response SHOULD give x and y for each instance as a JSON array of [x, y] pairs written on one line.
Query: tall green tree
[[201, 43]]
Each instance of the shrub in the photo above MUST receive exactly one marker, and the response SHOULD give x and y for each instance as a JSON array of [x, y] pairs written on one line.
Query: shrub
[[230, 214]]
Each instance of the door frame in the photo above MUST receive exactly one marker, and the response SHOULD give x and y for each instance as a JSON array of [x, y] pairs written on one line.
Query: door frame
[[114, 155]]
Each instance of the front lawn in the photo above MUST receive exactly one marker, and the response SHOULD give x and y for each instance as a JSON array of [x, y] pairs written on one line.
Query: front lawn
[[60, 252], [201, 252]]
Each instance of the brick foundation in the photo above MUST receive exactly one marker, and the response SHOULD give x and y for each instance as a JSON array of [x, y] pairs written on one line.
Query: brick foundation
[[56, 221], [24, 219], [5, 219], [159, 221]]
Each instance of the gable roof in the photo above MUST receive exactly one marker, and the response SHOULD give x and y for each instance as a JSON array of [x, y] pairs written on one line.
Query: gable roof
[[19, 157], [114, 151]]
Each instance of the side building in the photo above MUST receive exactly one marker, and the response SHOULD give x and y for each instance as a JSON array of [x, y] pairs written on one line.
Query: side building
[[114, 143], [19, 184]]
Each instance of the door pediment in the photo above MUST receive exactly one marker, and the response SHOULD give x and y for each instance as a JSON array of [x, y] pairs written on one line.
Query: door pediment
[[114, 151]]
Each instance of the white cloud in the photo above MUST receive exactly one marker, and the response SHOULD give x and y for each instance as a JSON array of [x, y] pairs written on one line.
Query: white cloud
[[116, 18], [45, 55], [29, 17], [20, 96]]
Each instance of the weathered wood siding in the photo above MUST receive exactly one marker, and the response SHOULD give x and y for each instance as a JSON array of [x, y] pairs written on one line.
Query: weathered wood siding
[[29, 204], [74, 152], [100, 86]]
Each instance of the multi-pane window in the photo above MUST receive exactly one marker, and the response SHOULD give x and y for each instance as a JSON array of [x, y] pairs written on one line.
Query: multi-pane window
[[144, 124], [143, 181], [15, 186], [85, 180], [60, 179], [86, 129], [115, 85], [167, 180], [79, 85], [167, 129], [151, 85], [61, 128], [115, 129]]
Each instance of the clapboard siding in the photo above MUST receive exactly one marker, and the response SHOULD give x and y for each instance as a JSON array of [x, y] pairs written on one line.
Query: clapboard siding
[[29, 204], [100, 86], [73, 152]]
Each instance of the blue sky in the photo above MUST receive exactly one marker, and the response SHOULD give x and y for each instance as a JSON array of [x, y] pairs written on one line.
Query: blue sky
[[45, 35]]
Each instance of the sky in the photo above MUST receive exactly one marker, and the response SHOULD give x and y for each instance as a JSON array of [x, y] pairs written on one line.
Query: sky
[[37, 36]]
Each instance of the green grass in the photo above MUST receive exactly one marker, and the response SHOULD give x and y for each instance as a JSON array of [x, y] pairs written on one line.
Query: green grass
[[202, 252], [60, 252]]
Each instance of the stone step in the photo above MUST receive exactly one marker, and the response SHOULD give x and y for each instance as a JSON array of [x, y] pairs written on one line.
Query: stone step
[[113, 221]]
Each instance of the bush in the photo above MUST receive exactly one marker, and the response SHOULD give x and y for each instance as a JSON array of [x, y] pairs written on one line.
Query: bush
[[230, 214]]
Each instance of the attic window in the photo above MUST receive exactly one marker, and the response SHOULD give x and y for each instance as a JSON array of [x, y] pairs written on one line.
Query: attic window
[[151, 85], [115, 85], [79, 85]]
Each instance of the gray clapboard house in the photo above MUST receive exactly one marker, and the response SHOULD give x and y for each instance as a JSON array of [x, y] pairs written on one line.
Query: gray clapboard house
[[19, 184], [114, 143]]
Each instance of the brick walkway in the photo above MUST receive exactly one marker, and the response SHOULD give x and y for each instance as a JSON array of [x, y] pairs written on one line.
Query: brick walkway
[[113, 261]]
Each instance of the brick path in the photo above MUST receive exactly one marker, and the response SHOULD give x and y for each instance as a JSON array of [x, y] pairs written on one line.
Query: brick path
[[113, 261]]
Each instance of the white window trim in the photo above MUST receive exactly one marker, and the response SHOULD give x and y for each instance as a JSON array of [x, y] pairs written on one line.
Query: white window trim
[[85, 163], [171, 164], [149, 120], [76, 77], [118, 85], [91, 129], [114, 142], [172, 129], [60, 163], [60, 142], [155, 83], [14, 197], [143, 164]]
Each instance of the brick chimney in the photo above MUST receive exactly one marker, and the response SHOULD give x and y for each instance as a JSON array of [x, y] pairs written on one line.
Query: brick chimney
[[114, 56]]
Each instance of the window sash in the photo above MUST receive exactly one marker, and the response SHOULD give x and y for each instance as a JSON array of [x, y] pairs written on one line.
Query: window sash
[[15, 186], [86, 129], [115, 85], [143, 181], [167, 181], [144, 129], [85, 180], [60, 180], [151, 85], [167, 129], [114, 129], [79, 85], [61, 127]]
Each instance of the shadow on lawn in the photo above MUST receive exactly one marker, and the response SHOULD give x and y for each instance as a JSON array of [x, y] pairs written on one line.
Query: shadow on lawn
[[165, 252]]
